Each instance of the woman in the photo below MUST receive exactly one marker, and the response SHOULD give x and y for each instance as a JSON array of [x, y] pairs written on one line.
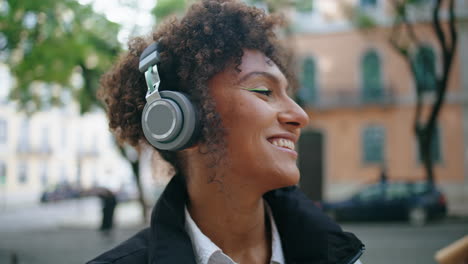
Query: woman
[[233, 198]]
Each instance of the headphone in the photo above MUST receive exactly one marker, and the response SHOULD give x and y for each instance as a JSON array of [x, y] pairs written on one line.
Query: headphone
[[169, 119]]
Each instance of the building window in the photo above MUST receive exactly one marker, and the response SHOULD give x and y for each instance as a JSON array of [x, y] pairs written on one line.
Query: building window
[[373, 142], [23, 144], [3, 173], [63, 137], [367, 3], [44, 174], [436, 152], [3, 131], [308, 91], [419, 2], [63, 175], [371, 76], [94, 147], [305, 6], [45, 148], [95, 175], [425, 69], [22, 172]]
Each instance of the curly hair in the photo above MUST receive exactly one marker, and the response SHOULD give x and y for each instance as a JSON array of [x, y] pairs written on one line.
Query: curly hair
[[211, 35]]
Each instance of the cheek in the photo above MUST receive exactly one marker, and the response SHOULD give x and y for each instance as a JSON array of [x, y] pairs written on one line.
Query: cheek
[[241, 112], [250, 125], [250, 119]]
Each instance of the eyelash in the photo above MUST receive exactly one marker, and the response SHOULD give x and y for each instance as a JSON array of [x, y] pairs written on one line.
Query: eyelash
[[264, 92]]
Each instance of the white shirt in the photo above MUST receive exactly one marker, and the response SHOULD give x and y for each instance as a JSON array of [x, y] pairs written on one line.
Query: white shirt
[[206, 252]]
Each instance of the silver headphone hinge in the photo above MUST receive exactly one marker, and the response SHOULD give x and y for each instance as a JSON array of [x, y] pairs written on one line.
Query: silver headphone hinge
[[152, 81]]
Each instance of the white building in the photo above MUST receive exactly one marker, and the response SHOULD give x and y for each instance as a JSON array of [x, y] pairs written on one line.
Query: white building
[[54, 146]]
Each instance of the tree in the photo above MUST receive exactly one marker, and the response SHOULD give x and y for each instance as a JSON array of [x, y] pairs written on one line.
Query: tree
[[165, 8], [50, 41], [404, 39]]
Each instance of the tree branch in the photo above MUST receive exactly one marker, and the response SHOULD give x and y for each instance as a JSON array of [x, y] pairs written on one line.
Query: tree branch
[[436, 25], [396, 32], [402, 18], [453, 31], [448, 54], [417, 114], [412, 35], [411, 31], [401, 50], [404, 53], [136, 175]]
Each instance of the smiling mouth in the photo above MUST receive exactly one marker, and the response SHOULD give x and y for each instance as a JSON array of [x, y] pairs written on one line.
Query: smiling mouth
[[283, 143]]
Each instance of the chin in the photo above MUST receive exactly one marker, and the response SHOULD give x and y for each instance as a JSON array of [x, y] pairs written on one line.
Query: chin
[[293, 179], [285, 179]]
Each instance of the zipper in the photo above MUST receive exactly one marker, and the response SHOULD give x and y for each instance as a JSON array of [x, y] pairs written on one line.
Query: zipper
[[357, 256]]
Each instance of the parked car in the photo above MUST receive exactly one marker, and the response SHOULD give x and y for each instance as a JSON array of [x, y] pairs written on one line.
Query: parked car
[[417, 202], [62, 191]]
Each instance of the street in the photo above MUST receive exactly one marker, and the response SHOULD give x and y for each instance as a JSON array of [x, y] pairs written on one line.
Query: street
[[63, 232], [390, 243], [66, 233]]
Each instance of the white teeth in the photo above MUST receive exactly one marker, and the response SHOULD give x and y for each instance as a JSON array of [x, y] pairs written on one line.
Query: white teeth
[[284, 143]]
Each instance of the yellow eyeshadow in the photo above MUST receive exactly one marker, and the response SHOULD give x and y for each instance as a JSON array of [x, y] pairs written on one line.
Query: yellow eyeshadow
[[261, 89]]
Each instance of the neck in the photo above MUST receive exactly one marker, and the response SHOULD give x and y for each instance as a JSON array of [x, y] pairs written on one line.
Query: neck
[[233, 218]]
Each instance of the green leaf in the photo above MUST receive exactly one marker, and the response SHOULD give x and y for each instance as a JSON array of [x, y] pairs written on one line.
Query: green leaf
[[66, 36], [166, 8]]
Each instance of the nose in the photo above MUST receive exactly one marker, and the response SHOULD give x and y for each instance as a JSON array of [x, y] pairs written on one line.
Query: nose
[[292, 114]]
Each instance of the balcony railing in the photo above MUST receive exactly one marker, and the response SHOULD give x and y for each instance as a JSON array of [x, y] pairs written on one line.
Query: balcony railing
[[351, 98], [88, 153], [27, 149]]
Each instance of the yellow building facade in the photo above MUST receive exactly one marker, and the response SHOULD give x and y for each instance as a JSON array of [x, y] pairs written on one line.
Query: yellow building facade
[[362, 130]]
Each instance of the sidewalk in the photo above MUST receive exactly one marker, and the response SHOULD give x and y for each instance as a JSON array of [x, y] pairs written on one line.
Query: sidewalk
[[83, 213], [62, 245], [126, 215], [64, 232], [458, 211]]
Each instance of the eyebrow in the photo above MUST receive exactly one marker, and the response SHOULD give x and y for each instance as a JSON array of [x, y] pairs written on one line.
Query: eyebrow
[[267, 75], [254, 74]]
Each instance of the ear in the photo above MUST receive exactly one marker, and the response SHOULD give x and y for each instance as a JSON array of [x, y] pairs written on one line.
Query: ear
[[192, 148], [198, 147]]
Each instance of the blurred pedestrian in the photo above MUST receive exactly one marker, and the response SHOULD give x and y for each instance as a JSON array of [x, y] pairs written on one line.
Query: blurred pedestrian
[[211, 93], [383, 180], [383, 174], [109, 202]]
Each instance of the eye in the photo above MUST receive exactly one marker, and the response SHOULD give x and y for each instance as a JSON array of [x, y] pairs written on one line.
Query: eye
[[264, 92], [260, 90]]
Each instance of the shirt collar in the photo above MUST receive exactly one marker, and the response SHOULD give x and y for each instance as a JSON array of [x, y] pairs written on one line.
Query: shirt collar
[[277, 256], [206, 252]]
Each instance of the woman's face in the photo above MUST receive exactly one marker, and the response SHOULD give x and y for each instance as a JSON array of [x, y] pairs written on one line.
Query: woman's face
[[261, 121]]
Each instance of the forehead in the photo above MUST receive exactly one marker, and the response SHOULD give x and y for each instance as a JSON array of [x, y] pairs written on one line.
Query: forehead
[[256, 61], [254, 65]]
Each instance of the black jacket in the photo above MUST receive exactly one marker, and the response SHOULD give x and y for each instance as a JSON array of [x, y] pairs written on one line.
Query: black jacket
[[307, 235]]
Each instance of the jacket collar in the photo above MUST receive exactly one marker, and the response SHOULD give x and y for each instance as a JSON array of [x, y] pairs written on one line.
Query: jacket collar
[[169, 243], [307, 235]]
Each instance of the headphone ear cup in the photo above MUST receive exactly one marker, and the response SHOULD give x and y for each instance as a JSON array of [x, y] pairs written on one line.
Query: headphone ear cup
[[170, 122]]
